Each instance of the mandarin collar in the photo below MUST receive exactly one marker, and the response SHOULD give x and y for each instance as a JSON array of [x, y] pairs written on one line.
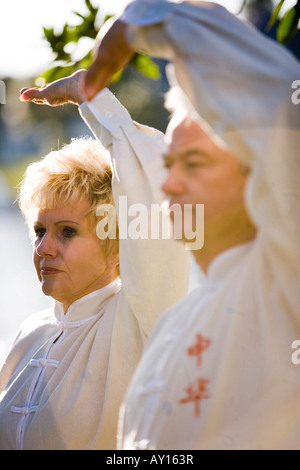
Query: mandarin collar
[[88, 305], [226, 261]]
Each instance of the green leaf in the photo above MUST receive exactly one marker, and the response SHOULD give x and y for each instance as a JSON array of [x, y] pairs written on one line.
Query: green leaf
[[57, 72], [63, 62], [85, 61], [79, 14], [107, 17], [90, 7], [147, 67], [288, 25], [274, 15], [117, 76], [58, 42], [49, 34]]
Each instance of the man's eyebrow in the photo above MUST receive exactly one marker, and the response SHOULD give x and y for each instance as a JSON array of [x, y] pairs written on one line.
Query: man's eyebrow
[[196, 152], [185, 154]]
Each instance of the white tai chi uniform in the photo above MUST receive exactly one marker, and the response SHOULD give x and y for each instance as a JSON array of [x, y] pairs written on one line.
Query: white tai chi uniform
[[217, 372]]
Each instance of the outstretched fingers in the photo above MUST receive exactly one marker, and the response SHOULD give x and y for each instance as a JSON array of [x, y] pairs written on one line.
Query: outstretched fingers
[[61, 91], [36, 95]]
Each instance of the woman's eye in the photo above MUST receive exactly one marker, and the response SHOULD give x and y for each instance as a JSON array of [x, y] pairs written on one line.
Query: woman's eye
[[68, 232], [39, 232]]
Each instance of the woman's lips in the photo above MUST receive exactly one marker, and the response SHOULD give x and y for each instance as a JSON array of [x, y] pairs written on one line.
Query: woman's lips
[[45, 271]]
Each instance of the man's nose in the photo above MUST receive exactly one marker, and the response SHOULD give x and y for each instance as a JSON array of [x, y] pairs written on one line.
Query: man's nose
[[175, 182], [46, 246]]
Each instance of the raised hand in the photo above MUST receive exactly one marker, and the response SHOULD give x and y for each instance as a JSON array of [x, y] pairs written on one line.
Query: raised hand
[[57, 93]]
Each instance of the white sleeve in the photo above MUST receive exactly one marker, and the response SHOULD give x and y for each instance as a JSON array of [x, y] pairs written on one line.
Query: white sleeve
[[154, 272], [240, 82]]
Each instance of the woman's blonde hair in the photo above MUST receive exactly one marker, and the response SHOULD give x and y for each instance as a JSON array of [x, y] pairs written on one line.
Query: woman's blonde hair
[[79, 171]]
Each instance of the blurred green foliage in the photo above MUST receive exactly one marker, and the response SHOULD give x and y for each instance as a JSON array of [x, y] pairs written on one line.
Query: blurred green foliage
[[288, 24], [63, 60], [64, 64]]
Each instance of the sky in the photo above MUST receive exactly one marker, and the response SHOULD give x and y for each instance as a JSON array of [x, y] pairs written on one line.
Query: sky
[[23, 51]]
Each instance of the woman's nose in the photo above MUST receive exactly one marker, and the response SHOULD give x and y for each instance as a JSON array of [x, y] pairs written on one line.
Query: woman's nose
[[46, 246]]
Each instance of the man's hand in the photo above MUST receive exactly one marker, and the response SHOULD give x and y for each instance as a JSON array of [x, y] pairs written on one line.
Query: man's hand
[[112, 54], [62, 91]]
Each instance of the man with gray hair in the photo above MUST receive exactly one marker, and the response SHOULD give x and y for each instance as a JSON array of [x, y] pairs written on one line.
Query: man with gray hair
[[218, 371]]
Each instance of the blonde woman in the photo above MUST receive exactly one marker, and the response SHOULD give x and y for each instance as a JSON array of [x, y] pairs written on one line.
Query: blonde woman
[[66, 374]]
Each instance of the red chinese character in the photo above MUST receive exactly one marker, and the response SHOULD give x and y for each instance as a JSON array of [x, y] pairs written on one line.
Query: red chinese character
[[199, 347], [196, 391]]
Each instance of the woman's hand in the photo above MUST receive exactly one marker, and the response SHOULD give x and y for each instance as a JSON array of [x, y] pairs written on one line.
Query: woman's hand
[[62, 91], [112, 53]]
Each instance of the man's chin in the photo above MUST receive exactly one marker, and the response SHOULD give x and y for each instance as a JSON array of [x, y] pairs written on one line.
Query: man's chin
[[193, 239]]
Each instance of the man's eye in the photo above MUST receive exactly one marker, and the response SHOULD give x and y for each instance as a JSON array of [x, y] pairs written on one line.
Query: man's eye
[[39, 232], [193, 164], [167, 165], [168, 162], [68, 232]]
